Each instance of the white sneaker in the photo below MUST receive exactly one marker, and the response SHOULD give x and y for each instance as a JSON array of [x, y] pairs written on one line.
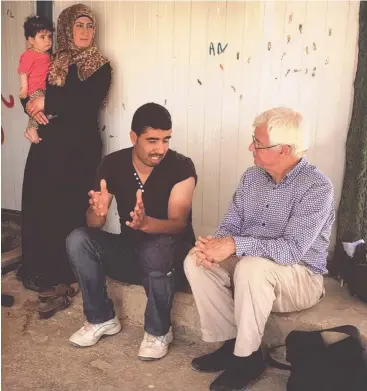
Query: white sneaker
[[90, 333], [153, 348]]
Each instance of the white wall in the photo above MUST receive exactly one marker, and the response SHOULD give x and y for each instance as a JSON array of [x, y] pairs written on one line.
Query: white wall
[[13, 119], [160, 51]]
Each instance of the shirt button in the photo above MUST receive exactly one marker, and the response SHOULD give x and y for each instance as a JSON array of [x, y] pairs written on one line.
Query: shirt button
[[263, 224]]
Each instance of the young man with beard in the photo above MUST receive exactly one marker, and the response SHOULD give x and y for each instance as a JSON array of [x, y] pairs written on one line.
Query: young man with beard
[[153, 186]]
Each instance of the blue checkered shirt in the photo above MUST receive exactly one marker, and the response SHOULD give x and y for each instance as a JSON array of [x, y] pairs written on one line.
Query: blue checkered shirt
[[289, 222]]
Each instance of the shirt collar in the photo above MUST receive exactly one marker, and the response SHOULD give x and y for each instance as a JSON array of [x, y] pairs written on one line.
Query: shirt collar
[[292, 173], [296, 170]]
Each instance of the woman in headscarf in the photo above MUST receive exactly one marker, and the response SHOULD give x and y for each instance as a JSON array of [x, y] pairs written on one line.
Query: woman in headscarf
[[60, 170]]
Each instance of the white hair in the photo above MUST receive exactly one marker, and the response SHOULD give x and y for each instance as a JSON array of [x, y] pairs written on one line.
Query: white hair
[[285, 127]]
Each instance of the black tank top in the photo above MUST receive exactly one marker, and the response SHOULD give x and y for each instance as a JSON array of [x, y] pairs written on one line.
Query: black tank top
[[123, 182]]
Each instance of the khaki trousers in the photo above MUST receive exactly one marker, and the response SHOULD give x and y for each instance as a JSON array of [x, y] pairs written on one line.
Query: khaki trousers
[[260, 287]]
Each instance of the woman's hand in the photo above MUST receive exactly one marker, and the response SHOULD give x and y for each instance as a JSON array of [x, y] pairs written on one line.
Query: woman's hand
[[35, 105], [41, 118]]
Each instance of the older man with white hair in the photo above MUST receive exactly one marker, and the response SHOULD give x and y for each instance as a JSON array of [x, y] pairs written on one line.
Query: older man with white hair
[[268, 254]]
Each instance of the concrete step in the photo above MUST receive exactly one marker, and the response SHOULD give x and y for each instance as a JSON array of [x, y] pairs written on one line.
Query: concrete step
[[335, 309]]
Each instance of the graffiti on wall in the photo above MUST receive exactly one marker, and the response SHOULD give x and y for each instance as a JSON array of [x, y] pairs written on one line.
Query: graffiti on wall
[[220, 48], [9, 103]]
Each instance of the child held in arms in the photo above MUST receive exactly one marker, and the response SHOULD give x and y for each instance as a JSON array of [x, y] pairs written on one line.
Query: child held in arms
[[34, 65]]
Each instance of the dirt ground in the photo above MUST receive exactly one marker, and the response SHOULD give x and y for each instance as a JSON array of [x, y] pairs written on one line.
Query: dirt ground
[[36, 355]]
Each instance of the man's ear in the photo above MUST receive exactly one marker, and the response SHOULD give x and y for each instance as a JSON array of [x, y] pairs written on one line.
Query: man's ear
[[286, 150], [31, 40], [133, 137]]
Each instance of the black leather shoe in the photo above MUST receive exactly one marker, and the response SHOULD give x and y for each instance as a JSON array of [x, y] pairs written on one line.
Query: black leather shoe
[[215, 361], [242, 373]]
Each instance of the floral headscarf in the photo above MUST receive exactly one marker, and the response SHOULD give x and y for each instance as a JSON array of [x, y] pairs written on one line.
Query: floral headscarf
[[88, 60]]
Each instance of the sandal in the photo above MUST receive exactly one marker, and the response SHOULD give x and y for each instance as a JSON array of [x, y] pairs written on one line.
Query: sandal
[[58, 291], [53, 305]]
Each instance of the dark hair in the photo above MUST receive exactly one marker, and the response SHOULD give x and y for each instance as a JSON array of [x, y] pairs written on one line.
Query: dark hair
[[151, 115], [36, 24]]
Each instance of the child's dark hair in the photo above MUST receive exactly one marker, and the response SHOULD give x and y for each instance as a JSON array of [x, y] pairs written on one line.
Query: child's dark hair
[[151, 115], [36, 24]]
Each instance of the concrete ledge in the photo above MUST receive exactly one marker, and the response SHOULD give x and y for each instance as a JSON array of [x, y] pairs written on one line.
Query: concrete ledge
[[130, 302], [335, 309]]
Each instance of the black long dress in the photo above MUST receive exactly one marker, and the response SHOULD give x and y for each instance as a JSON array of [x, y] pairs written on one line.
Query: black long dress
[[59, 172]]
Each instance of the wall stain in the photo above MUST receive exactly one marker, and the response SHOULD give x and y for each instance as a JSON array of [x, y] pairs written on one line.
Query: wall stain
[[306, 50], [238, 55], [314, 45], [314, 72], [200, 82], [283, 56], [221, 67], [288, 38], [287, 73], [269, 45], [300, 28], [290, 18], [249, 60], [330, 32], [233, 88]]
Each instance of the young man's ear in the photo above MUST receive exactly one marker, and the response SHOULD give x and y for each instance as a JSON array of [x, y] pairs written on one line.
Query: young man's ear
[[133, 137], [31, 40]]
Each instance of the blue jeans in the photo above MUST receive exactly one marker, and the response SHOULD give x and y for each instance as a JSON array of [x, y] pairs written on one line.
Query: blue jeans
[[137, 258]]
